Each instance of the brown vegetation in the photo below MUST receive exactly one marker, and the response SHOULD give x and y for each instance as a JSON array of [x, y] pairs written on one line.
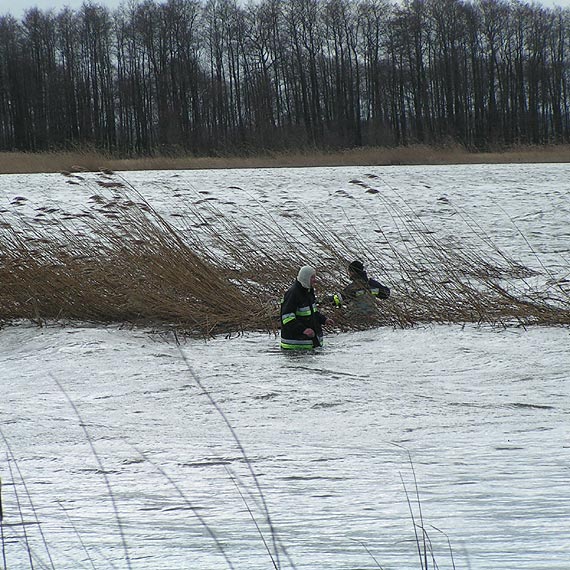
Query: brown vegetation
[[121, 261], [27, 163]]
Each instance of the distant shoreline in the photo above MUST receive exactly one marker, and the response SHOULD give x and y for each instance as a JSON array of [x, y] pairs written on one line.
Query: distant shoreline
[[49, 162]]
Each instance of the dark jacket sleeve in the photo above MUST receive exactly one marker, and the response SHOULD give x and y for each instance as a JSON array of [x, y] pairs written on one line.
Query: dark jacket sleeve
[[288, 309], [321, 318], [383, 291]]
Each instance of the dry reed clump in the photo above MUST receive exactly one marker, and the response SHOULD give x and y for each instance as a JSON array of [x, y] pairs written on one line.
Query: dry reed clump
[[119, 260]]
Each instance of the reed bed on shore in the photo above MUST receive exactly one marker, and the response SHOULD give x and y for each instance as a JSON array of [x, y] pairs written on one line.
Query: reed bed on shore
[[93, 160], [204, 272]]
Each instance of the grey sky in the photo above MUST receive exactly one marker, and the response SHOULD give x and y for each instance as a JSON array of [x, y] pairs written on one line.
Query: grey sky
[[17, 7]]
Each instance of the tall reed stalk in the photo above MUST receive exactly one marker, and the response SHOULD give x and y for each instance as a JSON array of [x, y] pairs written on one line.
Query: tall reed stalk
[[204, 272]]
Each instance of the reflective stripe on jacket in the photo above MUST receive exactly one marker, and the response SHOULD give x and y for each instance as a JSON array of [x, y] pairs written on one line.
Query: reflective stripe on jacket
[[359, 287]]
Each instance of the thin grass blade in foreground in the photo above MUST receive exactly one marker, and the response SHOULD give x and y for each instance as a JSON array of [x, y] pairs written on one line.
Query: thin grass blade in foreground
[[31, 503], [2, 528], [187, 501], [274, 552], [77, 534], [103, 472]]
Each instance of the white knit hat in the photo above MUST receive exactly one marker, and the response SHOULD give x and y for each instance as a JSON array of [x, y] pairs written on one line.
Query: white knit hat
[[305, 274]]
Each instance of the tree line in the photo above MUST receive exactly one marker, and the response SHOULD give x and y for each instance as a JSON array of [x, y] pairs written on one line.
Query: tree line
[[216, 76]]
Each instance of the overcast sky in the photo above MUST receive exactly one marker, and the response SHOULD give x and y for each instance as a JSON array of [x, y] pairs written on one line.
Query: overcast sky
[[18, 7]]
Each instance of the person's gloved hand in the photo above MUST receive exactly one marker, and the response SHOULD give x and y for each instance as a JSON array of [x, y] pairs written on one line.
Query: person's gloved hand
[[309, 332], [329, 322]]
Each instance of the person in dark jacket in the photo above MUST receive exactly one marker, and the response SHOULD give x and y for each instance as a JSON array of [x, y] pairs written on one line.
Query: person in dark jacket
[[362, 291], [301, 321]]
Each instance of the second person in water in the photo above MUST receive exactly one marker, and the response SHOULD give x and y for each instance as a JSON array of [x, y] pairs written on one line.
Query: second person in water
[[361, 293]]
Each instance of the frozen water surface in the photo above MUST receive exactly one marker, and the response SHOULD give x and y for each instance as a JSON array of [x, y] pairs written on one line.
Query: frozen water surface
[[118, 444]]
